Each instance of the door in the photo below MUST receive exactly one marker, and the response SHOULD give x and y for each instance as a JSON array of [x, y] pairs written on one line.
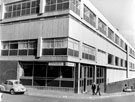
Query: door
[[85, 79]]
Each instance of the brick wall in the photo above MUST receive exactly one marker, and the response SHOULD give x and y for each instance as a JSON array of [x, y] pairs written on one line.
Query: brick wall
[[8, 70]]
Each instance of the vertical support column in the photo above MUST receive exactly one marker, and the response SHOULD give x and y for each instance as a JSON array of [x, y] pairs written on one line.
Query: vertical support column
[[78, 90], [81, 8], [127, 72], [95, 74], [39, 47], [96, 23], [77, 78], [42, 6], [2, 10]]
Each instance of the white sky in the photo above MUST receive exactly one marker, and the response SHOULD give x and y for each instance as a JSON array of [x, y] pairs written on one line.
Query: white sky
[[121, 14]]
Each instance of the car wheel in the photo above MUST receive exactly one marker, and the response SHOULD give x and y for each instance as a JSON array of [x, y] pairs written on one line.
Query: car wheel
[[12, 92]]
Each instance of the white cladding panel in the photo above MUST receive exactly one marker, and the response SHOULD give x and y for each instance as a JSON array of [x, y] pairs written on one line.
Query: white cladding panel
[[114, 75]]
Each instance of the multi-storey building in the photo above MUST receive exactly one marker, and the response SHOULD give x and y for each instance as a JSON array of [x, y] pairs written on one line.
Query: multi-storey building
[[61, 44]]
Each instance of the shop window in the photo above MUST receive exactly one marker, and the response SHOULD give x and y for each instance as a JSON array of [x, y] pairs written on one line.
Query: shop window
[[67, 84], [67, 72], [53, 72], [39, 70]]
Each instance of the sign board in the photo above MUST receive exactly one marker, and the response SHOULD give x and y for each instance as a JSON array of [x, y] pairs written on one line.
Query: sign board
[[70, 64], [56, 63]]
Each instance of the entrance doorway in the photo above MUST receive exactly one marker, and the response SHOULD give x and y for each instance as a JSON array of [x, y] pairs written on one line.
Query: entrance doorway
[[86, 77]]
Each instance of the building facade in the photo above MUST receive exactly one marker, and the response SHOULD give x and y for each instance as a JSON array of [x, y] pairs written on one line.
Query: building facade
[[61, 45]]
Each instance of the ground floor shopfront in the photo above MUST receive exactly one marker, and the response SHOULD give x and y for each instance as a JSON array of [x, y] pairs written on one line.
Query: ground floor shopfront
[[64, 76]]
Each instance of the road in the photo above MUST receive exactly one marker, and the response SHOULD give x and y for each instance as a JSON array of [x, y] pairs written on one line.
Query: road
[[25, 98]]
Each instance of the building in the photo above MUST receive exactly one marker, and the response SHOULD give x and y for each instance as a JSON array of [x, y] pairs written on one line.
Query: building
[[61, 45]]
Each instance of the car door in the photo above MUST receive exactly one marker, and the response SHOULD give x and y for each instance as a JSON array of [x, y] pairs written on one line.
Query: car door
[[5, 85], [9, 85]]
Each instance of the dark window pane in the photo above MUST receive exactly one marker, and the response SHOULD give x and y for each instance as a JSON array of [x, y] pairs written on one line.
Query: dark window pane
[[23, 12], [18, 13], [76, 53], [66, 5], [39, 71], [53, 7], [59, 6], [67, 83], [54, 83], [13, 52], [32, 52], [39, 82], [60, 51], [4, 52], [26, 81], [14, 46], [53, 72], [33, 10], [22, 52], [67, 72], [70, 52], [47, 51], [27, 11], [28, 69], [47, 8]]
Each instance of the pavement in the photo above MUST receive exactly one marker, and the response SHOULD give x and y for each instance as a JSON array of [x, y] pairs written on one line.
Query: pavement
[[59, 94]]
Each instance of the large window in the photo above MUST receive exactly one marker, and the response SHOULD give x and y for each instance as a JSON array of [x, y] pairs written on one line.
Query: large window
[[102, 26], [89, 16], [110, 34], [73, 48], [22, 8], [88, 52], [57, 5], [16, 48], [100, 75], [117, 39], [55, 46]]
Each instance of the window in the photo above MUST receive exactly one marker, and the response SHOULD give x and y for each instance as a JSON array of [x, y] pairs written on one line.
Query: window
[[57, 5], [55, 46], [101, 26], [88, 52], [121, 62], [21, 9], [121, 43], [110, 59], [89, 16], [110, 34], [116, 39], [73, 48], [116, 61], [19, 48], [100, 75]]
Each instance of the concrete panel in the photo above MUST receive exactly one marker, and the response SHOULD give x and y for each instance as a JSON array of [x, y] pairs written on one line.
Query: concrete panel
[[114, 75]]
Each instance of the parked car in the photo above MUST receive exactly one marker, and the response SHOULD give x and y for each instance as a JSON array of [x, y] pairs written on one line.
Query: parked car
[[13, 86]]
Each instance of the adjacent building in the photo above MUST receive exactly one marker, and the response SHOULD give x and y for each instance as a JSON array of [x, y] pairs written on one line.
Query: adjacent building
[[61, 45]]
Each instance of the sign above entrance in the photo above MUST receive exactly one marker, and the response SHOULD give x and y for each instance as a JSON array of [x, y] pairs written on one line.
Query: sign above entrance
[[70, 64], [56, 63]]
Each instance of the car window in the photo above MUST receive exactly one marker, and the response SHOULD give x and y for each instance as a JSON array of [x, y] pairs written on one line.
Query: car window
[[17, 82], [10, 83], [6, 82]]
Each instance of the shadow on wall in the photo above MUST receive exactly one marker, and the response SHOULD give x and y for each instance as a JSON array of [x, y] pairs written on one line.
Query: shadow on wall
[[118, 86]]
